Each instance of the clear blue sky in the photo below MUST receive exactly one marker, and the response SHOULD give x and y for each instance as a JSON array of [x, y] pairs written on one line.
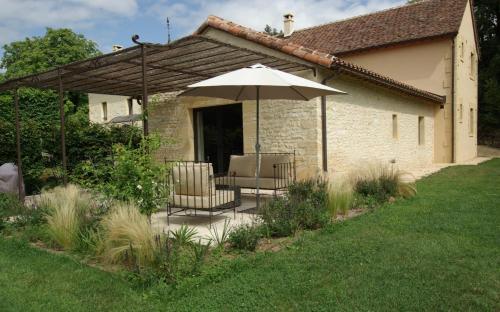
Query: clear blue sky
[[109, 22]]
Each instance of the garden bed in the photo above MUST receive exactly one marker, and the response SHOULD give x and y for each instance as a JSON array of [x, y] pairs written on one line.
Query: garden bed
[[115, 236]]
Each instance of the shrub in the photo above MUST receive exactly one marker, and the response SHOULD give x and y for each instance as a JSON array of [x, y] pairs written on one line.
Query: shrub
[[176, 258], [340, 198], [304, 208], [365, 202], [382, 182], [245, 237], [127, 233], [314, 191], [220, 238], [184, 235], [15, 216], [277, 218], [10, 205], [66, 209], [137, 177], [200, 252]]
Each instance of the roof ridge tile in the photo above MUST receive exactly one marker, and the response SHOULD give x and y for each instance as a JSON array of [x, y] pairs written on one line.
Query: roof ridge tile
[[427, 19], [361, 15]]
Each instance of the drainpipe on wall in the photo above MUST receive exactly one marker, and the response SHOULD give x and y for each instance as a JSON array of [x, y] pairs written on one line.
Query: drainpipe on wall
[[324, 137], [453, 128]]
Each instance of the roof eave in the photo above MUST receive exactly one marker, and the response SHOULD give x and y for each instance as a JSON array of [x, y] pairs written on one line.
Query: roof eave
[[343, 67], [316, 57]]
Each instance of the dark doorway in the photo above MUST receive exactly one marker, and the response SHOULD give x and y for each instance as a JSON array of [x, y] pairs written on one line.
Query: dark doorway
[[218, 134]]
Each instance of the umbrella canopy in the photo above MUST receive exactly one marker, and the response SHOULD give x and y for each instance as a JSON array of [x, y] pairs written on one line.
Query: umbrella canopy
[[259, 82], [273, 84]]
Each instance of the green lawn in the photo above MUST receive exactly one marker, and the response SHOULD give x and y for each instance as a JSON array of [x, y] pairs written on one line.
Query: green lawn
[[437, 251]]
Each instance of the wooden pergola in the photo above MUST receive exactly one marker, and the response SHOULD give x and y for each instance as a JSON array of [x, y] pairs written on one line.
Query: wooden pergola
[[145, 68]]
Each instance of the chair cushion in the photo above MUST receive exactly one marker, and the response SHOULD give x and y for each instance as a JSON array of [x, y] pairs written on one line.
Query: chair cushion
[[267, 162], [193, 179], [242, 166], [219, 198]]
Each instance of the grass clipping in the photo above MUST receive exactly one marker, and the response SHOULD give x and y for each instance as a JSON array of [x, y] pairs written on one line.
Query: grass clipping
[[127, 233]]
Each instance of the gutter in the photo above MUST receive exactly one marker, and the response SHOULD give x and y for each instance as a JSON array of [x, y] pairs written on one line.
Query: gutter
[[453, 128], [324, 132]]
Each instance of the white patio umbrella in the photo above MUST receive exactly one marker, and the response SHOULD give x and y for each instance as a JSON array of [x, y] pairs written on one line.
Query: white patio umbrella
[[255, 83]]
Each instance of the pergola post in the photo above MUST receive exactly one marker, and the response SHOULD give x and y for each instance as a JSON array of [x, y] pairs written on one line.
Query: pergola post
[[63, 131], [18, 148], [145, 122]]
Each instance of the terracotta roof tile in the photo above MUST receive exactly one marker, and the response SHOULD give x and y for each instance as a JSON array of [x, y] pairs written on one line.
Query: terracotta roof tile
[[423, 20], [313, 56]]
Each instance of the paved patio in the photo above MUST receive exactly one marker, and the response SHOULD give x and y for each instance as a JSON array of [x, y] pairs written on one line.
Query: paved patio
[[245, 214]]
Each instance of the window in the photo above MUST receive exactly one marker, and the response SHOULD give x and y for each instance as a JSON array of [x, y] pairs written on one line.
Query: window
[[421, 131], [462, 51], [104, 106], [471, 122], [394, 126], [472, 65], [130, 103]]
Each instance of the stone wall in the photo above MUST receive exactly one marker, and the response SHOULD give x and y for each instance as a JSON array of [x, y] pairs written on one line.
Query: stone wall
[[466, 97], [285, 126], [426, 65], [360, 127], [117, 106]]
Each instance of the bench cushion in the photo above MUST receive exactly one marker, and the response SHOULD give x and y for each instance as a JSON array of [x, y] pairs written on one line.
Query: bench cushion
[[242, 166], [267, 162], [264, 183]]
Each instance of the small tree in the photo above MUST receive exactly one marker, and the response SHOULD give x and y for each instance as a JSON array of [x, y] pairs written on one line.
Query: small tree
[[272, 31], [137, 177]]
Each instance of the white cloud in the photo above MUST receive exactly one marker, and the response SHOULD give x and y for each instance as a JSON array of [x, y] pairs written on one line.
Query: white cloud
[[187, 15], [20, 16]]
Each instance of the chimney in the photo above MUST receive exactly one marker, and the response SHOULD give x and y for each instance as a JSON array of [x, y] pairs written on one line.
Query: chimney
[[288, 25], [116, 48]]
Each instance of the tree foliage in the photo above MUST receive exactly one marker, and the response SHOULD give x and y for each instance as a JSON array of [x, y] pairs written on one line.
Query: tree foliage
[[56, 47], [39, 112], [487, 14]]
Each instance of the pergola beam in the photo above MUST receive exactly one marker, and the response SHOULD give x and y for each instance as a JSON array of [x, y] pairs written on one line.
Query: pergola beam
[[145, 95], [172, 69], [166, 85]]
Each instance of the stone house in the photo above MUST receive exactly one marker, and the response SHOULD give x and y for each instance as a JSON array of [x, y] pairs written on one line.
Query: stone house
[[431, 45], [410, 74], [114, 109]]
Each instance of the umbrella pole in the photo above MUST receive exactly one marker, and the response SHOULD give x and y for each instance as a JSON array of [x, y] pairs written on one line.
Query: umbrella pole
[[257, 152]]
